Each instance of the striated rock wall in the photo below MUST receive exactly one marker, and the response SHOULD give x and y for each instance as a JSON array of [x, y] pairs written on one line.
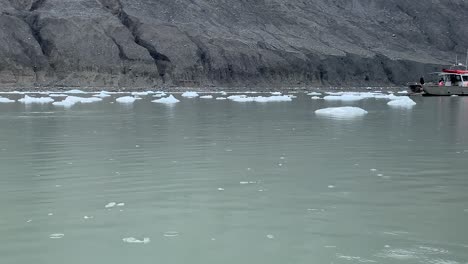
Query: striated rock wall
[[146, 43]]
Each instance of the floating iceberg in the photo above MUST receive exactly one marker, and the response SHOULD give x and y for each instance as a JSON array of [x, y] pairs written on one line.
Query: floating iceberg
[[344, 97], [221, 98], [190, 94], [275, 93], [6, 100], [145, 240], [74, 91], [167, 100], [403, 102], [58, 95], [102, 94], [314, 93], [35, 100], [315, 98], [341, 112], [223, 93], [126, 99], [206, 97], [140, 93], [71, 100], [402, 92], [260, 99]]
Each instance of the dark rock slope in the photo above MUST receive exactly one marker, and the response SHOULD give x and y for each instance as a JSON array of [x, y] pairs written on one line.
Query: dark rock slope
[[142, 43]]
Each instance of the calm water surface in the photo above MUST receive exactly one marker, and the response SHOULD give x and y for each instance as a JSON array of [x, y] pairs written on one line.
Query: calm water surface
[[208, 181]]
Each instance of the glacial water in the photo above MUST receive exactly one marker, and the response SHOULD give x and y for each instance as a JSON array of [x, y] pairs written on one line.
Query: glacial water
[[221, 181]]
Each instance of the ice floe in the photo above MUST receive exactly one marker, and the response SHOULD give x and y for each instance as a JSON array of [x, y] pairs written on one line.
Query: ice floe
[[221, 98], [344, 97], [126, 99], [171, 234], [56, 236], [402, 92], [314, 93], [260, 99], [341, 112], [403, 102], [58, 95], [270, 236], [190, 94], [110, 205], [35, 100], [276, 93], [140, 93], [167, 100], [159, 94], [223, 93], [71, 100], [315, 98], [74, 91], [206, 97], [6, 100], [133, 240], [102, 94]]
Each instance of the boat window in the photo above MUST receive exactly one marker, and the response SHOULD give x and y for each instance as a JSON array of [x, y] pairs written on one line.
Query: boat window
[[465, 78], [455, 78]]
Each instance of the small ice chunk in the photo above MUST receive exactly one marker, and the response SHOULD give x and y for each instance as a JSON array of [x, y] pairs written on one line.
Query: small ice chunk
[[315, 98], [74, 91], [58, 95], [223, 93], [171, 234], [270, 236], [380, 175], [344, 97], [50, 214], [102, 94], [402, 102], [314, 93], [88, 217], [341, 112], [29, 221], [71, 100], [206, 97], [110, 205], [133, 240], [56, 236], [190, 94], [6, 100], [373, 169], [35, 100], [139, 93], [221, 98], [260, 99], [276, 93], [243, 182], [220, 189], [402, 92], [126, 99], [331, 186], [121, 204], [167, 100]]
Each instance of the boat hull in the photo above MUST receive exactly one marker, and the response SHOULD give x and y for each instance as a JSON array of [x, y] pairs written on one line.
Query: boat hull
[[434, 90]]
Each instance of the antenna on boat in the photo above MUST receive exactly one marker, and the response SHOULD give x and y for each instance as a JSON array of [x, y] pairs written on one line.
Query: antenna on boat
[[466, 60]]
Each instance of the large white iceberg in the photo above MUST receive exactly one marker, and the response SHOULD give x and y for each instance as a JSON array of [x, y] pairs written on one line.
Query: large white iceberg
[[260, 99], [140, 93], [403, 102], [206, 97], [341, 112], [6, 100], [71, 100], [167, 100], [315, 98], [126, 99], [190, 94], [35, 100]]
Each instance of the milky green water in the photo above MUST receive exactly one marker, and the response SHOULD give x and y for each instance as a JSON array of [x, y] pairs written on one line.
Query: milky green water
[[207, 181]]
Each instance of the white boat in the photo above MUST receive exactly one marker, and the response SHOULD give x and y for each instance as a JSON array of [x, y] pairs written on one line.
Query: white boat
[[453, 81]]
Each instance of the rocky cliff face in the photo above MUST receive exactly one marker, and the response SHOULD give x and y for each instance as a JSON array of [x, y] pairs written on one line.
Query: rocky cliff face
[[142, 43]]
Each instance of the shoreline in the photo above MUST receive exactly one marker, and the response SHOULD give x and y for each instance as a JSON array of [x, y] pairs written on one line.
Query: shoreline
[[240, 89]]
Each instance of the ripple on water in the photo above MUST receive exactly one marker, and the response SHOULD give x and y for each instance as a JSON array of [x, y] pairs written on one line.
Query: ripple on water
[[171, 234]]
